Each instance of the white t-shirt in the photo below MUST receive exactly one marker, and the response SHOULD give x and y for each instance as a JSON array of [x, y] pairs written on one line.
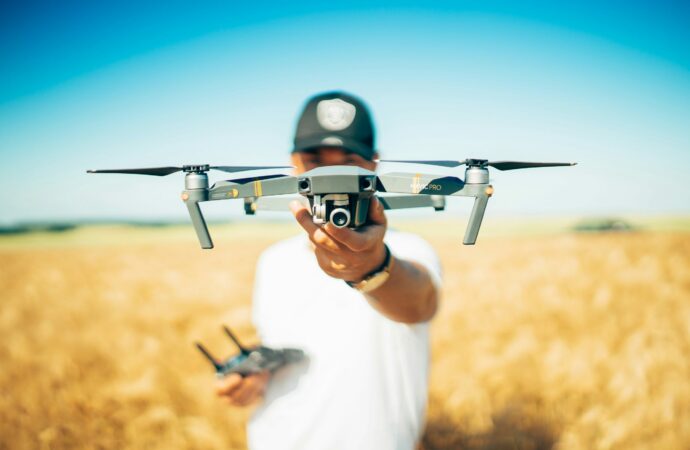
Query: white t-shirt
[[363, 382]]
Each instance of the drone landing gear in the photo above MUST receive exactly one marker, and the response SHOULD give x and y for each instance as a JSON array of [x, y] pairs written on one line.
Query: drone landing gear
[[199, 223], [196, 190], [477, 179], [476, 218]]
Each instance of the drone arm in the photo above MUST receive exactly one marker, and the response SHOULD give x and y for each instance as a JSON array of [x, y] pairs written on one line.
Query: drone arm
[[243, 188], [253, 204], [438, 202], [415, 183], [429, 184], [253, 187]]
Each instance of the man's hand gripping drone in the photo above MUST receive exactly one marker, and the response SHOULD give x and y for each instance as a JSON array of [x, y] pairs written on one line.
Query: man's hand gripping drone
[[340, 194]]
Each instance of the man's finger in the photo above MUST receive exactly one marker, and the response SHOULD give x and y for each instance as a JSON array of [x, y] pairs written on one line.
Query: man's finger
[[316, 233], [227, 385], [325, 241], [248, 393], [303, 217], [364, 237], [251, 390], [356, 240], [376, 212], [331, 259]]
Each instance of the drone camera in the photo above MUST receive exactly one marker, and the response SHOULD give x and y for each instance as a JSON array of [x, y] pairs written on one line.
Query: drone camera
[[334, 208], [340, 217], [318, 212]]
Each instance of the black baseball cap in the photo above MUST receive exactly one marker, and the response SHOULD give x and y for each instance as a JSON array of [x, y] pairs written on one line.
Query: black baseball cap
[[335, 119]]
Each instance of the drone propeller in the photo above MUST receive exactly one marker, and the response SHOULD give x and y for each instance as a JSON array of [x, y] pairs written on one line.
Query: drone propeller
[[500, 165], [233, 169], [431, 163], [157, 171], [163, 171], [512, 165]]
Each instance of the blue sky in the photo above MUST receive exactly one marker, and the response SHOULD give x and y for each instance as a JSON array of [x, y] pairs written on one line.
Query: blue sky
[[99, 85]]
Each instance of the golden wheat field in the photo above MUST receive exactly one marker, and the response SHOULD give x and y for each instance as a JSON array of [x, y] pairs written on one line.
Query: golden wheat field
[[556, 340]]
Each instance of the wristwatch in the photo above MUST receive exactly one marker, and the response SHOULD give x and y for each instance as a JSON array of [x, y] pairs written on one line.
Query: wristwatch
[[376, 278]]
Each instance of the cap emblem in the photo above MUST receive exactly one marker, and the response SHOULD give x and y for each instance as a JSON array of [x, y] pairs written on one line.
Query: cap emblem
[[332, 140], [335, 114]]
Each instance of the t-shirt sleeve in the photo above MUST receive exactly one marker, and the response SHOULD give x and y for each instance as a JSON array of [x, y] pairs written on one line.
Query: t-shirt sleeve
[[413, 248]]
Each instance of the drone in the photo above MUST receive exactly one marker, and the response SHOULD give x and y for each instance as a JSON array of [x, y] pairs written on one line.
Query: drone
[[340, 195], [251, 360]]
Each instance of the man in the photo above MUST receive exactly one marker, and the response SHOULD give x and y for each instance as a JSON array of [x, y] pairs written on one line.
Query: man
[[356, 303]]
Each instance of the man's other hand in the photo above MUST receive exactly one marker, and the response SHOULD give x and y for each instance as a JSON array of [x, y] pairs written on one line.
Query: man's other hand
[[345, 253], [237, 390]]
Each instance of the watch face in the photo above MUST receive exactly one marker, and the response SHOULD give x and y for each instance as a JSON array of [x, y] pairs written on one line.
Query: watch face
[[375, 280]]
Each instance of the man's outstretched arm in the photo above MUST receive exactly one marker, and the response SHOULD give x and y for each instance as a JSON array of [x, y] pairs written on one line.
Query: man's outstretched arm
[[409, 295]]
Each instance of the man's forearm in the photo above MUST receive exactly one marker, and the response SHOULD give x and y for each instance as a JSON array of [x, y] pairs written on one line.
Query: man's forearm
[[409, 295]]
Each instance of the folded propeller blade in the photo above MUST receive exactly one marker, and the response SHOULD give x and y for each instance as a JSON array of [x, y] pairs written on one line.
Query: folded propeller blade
[[233, 169], [512, 165], [162, 171], [157, 171], [500, 165], [441, 163]]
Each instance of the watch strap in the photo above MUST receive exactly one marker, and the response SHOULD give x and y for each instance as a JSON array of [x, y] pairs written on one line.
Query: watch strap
[[376, 277]]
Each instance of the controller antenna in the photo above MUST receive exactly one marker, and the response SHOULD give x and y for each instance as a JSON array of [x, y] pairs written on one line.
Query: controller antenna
[[208, 355], [234, 339]]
